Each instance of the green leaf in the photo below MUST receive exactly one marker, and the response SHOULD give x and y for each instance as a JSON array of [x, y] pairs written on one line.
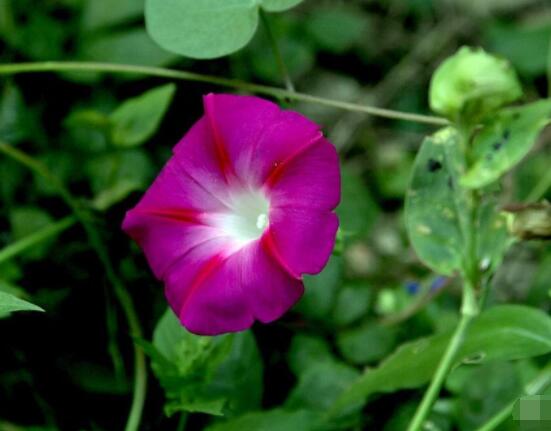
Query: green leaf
[[521, 44], [436, 208], [485, 390], [208, 28], [320, 386], [506, 332], [215, 375], [10, 303], [321, 291], [271, 420], [351, 304], [504, 141], [14, 119], [306, 350], [129, 47], [279, 5], [114, 175], [357, 211], [101, 13], [137, 119], [201, 29], [367, 343], [27, 220], [336, 29]]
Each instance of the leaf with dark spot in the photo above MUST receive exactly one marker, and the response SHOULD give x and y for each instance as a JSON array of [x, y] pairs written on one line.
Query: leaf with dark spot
[[434, 165]]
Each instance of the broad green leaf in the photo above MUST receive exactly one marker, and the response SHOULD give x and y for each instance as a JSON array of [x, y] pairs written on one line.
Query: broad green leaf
[[100, 13], [506, 332], [27, 220], [272, 420], [114, 175], [10, 303], [521, 44], [129, 47], [207, 28], [306, 350], [436, 208], [351, 304], [485, 390], [504, 141], [357, 211], [367, 343], [319, 387], [215, 375], [336, 29], [321, 291], [137, 119], [201, 29], [279, 5]]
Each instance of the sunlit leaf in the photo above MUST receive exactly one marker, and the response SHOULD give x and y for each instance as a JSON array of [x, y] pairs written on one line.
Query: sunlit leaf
[[10, 303], [437, 208], [137, 119], [279, 5], [504, 141], [207, 28]]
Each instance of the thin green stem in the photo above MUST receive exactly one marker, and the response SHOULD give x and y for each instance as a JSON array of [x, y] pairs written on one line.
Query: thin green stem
[[75, 66], [140, 371], [37, 237], [446, 363], [277, 52], [469, 305], [541, 382]]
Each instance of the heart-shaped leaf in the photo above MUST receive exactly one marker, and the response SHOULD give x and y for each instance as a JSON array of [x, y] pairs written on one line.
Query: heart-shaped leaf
[[206, 28]]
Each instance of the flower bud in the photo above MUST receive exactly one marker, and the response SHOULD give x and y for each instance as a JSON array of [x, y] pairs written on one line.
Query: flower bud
[[471, 84]]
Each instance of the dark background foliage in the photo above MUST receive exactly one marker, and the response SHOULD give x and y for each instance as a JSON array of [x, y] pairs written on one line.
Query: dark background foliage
[[71, 367]]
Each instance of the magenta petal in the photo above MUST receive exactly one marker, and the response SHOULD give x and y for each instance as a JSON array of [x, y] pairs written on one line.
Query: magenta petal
[[214, 294], [201, 158], [239, 213], [282, 142], [310, 180], [166, 223], [237, 123], [303, 238]]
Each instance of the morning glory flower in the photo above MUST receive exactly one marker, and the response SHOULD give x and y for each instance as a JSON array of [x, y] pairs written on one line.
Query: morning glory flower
[[243, 208]]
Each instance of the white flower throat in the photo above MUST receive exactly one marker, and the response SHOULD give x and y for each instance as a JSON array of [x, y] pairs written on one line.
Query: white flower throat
[[247, 218]]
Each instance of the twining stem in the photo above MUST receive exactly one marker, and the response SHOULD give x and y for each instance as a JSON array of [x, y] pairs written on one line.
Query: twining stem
[[444, 366], [277, 52], [76, 66], [37, 237], [540, 383], [140, 372]]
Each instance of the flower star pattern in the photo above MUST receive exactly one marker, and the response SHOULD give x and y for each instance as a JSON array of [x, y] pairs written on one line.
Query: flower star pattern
[[242, 209]]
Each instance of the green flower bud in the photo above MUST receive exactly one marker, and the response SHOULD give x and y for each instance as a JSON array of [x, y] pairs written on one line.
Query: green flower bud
[[471, 84]]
